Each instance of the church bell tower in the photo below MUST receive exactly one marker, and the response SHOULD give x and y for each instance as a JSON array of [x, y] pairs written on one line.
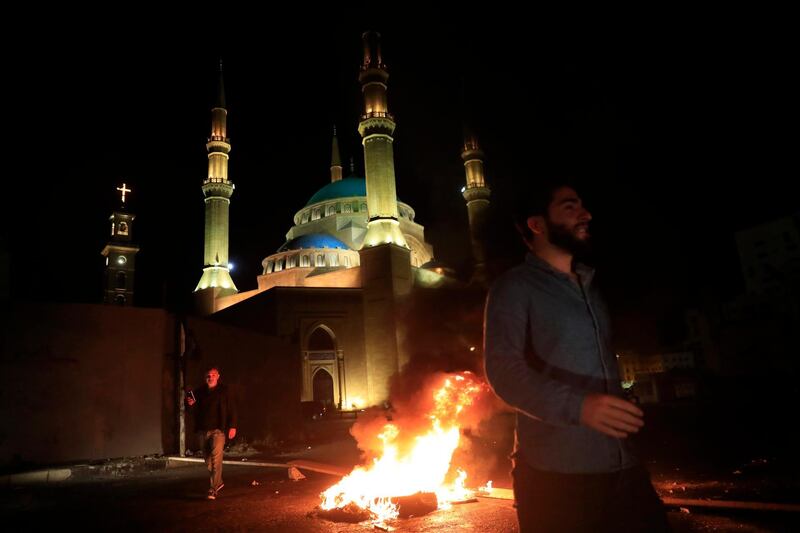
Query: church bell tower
[[120, 254]]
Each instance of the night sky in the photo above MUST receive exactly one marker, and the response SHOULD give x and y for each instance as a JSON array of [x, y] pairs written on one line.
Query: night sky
[[675, 130]]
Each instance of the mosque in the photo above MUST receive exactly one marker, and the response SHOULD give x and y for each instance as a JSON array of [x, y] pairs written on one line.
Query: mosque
[[353, 254]]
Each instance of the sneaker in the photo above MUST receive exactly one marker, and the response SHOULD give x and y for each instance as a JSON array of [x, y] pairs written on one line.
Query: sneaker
[[212, 494]]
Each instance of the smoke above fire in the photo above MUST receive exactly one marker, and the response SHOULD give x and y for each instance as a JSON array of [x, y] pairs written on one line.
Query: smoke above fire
[[441, 334], [411, 414]]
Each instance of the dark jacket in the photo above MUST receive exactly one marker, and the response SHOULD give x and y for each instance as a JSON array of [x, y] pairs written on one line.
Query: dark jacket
[[215, 408], [547, 345]]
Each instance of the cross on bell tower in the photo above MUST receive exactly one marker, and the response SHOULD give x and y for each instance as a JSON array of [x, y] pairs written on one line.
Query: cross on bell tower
[[123, 190]]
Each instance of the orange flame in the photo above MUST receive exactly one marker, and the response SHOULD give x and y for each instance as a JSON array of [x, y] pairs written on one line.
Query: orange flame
[[421, 467]]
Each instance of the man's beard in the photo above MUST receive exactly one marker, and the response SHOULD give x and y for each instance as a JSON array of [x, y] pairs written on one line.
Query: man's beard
[[562, 237]]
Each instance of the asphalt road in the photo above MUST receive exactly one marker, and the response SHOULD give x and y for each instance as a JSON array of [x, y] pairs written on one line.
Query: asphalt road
[[174, 500]]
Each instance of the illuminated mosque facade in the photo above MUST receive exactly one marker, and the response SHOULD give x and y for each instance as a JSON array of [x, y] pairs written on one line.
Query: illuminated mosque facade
[[353, 253]]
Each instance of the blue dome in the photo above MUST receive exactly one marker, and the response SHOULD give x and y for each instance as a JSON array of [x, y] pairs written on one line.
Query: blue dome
[[313, 240], [344, 188]]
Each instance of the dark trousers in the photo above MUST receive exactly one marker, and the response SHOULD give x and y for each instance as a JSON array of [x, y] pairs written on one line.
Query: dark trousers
[[620, 501]]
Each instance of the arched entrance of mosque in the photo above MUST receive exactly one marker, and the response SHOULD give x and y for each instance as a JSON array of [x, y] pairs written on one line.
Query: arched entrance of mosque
[[323, 388], [323, 367]]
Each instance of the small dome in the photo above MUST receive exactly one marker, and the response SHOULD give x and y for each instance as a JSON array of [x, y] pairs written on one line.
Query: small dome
[[313, 240]]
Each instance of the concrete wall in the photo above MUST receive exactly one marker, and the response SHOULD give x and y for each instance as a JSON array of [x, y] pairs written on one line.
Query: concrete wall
[[85, 382]]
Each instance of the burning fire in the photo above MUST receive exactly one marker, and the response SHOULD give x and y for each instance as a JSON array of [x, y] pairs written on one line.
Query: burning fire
[[410, 464]]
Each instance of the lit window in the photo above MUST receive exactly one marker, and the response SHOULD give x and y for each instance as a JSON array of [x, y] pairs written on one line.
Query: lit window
[[334, 260], [348, 208], [278, 265], [320, 260], [304, 261], [304, 217], [347, 261], [315, 213], [330, 210], [270, 266], [291, 261]]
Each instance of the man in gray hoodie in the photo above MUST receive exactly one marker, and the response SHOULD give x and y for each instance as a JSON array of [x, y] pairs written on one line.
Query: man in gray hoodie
[[548, 355]]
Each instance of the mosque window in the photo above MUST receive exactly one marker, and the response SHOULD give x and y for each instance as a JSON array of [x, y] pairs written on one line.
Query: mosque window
[[333, 260], [320, 260], [123, 228], [330, 210], [270, 266], [364, 206], [291, 261], [305, 217], [321, 340], [315, 213], [112, 228], [348, 208], [346, 260], [304, 261], [278, 265]]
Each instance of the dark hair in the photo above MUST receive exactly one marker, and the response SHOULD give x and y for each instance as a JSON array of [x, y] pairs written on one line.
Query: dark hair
[[534, 200]]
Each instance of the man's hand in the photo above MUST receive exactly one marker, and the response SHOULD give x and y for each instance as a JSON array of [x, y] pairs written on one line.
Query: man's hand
[[190, 401], [611, 415], [231, 433]]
